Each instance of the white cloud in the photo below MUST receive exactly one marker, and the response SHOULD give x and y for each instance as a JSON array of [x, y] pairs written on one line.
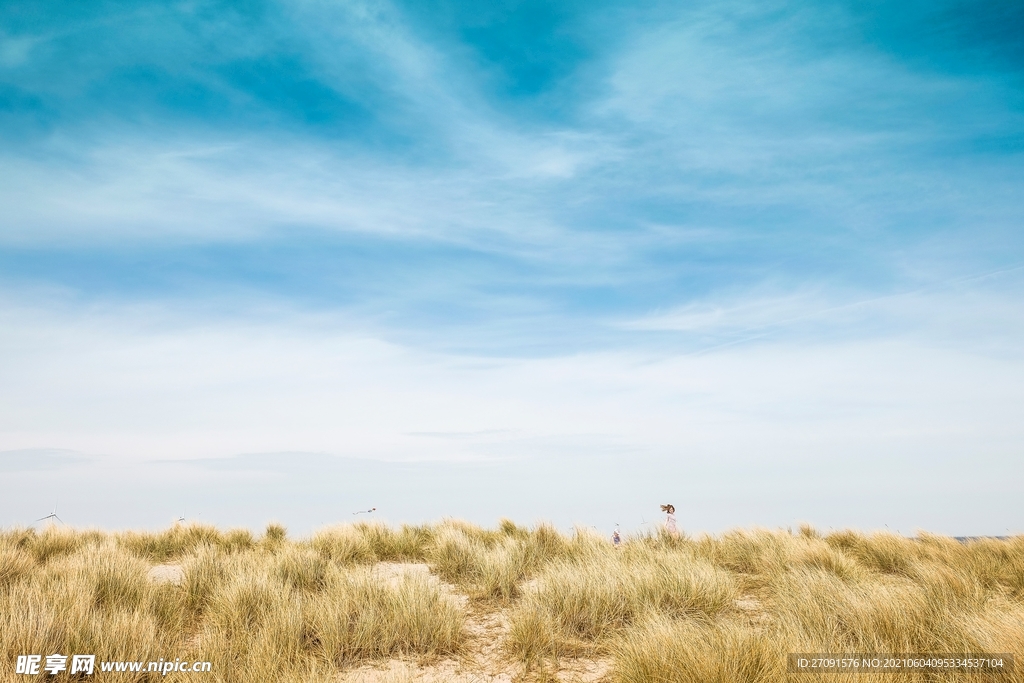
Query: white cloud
[[14, 51], [771, 424], [140, 384]]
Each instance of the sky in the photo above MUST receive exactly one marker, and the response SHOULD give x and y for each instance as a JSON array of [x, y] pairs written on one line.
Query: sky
[[565, 261]]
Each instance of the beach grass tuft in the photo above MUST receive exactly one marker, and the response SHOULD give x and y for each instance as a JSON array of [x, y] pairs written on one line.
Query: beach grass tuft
[[659, 608]]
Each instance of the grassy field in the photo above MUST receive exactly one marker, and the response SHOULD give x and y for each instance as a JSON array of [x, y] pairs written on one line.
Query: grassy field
[[453, 601]]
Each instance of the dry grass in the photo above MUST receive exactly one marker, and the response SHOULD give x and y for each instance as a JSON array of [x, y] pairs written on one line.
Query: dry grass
[[575, 605], [659, 609], [683, 651], [259, 610]]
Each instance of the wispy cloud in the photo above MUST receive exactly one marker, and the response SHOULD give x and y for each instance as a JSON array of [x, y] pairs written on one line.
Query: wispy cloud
[[39, 459], [744, 232], [784, 413]]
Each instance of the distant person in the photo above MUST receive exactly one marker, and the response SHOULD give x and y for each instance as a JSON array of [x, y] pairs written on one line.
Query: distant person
[[616, 538], [670, 519]]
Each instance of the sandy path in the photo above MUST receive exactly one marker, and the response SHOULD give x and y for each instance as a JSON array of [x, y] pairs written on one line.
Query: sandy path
[[483, 661]]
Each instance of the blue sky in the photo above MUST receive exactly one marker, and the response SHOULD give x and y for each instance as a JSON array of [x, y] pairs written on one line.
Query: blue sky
[[719, 253]]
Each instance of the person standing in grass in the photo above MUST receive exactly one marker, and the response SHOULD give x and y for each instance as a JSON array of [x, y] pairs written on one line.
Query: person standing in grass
[[670, 520]]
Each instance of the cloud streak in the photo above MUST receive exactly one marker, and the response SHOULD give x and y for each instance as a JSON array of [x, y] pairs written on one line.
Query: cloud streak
[[322, 406]]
